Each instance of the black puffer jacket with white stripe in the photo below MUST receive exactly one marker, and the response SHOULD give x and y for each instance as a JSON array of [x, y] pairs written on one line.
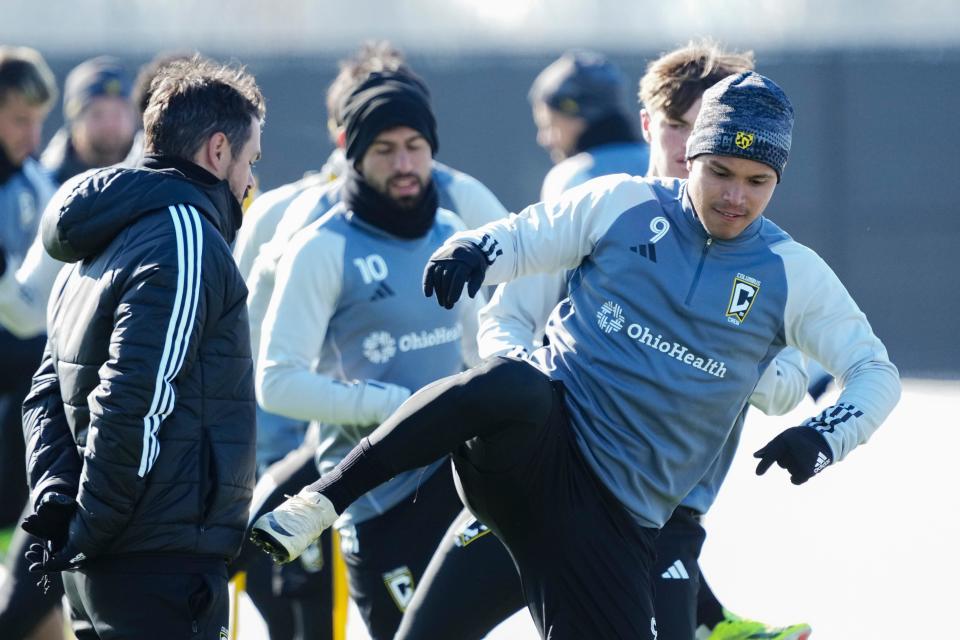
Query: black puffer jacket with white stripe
[[143, 406]]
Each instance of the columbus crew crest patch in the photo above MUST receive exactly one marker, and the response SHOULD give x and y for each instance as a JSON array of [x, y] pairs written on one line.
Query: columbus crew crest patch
[[399, 583], [471, 530], [743, 140], [742, 296]]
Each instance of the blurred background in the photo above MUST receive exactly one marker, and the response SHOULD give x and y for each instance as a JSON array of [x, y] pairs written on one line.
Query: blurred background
[[872, 180], [872, 185]]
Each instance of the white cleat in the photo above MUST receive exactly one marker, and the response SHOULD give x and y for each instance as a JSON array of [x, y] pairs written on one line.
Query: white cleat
[[289, 529]]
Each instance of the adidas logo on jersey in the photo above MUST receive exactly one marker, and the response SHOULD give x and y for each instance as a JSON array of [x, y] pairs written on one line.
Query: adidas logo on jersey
[[648, 251], [382, 291], [676, 571]]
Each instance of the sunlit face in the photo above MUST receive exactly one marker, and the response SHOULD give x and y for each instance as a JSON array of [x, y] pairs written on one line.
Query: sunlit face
[[239, 168], [21, 124], [729, 193], [103, 132], [667, 138], [558, 133], [398, 164]]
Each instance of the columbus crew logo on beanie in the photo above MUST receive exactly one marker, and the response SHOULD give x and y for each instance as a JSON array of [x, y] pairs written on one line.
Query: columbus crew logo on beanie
[[744, 116]]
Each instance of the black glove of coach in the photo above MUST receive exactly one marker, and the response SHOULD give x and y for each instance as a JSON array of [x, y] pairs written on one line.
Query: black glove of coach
[[51, 519], [50, 522], [803, 451], [450, 267], [44, 561]]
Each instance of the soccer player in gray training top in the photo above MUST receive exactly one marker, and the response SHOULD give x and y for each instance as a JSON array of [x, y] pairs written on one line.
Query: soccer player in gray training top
[[286, 448], [576, 458], [347, 335], [445, 605]]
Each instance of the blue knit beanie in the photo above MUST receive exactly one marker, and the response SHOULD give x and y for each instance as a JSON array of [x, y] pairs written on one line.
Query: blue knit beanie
[[744, 116], [581, 84], [101, 76]]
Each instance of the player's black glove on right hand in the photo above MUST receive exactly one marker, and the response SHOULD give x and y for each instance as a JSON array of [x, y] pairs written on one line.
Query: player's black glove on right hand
[[51, 519], [3, 262], [450, 267], [803, 451]]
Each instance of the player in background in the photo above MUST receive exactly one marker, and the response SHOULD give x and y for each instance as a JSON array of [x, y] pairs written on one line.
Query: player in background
[[347, 335], [27, 92], [287, 447], [100, 120], [578, 107]]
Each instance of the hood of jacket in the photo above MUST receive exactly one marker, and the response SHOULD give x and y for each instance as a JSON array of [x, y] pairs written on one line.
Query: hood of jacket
[[107, 201]]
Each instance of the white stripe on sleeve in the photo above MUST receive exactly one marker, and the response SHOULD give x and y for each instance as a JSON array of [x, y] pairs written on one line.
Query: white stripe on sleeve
[[189, 234]]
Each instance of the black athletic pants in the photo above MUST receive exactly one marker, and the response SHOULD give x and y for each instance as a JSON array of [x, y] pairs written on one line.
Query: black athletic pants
[[676, 574], [387, 555], [471, 584], [116, 603], [584, 562]]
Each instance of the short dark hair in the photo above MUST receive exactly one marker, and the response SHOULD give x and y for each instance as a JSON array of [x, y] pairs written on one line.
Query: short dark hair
[[148, 73], [193, 99], [23, 70]]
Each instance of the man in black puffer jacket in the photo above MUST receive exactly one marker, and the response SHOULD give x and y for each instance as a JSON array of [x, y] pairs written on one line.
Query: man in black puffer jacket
[[140, 423]]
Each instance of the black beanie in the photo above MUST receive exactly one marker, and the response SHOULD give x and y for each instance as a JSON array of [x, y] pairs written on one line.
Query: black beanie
[[384, 101]]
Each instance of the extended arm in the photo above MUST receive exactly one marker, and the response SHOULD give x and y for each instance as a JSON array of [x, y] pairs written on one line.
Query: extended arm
[[543, 238]]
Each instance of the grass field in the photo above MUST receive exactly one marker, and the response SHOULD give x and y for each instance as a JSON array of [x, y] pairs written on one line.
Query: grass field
[[5, 535]]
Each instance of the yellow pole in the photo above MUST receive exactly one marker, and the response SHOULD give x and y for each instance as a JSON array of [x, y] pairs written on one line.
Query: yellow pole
[[341, 592], [239, 586]]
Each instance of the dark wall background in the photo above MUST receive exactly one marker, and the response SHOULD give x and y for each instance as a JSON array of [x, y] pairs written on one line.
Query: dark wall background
[[871, 184]]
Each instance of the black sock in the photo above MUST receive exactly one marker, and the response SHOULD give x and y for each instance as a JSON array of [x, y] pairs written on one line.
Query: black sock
[[353, 476]]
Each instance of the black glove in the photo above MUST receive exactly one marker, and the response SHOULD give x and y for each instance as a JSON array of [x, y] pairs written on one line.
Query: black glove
[[3, 262], [452, 265], [803, 451], [42, 560], [51, 519]]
